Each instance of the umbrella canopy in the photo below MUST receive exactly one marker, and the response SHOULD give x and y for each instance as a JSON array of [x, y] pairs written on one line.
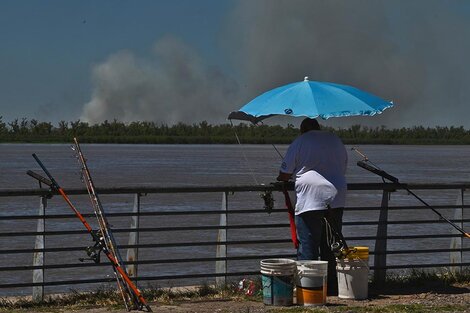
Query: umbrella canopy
[[311, 99]]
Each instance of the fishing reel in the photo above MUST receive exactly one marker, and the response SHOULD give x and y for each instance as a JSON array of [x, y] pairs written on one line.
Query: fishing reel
[[340, 250], [94, 252], [268, 200], [336, 241]]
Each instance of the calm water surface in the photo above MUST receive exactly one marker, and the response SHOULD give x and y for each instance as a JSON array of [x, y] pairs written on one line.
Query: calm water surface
[[134, 165], [194, 165]]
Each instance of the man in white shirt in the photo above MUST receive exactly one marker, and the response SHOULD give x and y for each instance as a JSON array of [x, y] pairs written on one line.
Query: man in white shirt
[[317, 160]]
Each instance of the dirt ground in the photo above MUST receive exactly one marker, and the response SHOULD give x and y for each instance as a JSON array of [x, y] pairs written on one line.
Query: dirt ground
[[428, 298], [424, 295]]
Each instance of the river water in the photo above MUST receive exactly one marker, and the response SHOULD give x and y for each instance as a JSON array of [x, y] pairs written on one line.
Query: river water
[[115, 165]]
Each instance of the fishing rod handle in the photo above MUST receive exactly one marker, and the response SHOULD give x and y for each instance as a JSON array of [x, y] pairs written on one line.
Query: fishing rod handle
[[376, 171], [128, 281], [54, 183]]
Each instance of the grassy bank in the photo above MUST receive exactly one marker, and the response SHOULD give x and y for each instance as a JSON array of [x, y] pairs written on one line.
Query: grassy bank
[[109, 297], [412, 290]]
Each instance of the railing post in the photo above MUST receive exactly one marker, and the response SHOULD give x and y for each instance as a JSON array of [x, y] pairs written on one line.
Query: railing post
[[38, 257], [221, 266], [456, 257], [133, 253], [380, 258]]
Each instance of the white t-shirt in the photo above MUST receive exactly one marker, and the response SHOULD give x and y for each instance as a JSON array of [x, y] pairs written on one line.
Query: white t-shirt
[[313, 192], [324, 153]]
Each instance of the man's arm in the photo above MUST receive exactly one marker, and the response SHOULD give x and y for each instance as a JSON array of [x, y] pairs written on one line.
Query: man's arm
[[284, 176]]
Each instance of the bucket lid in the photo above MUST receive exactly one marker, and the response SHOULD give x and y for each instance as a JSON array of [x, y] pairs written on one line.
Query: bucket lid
[[278, 266], [312, 265], [277, 262], [351, 263], [271, 272], [312, 272]]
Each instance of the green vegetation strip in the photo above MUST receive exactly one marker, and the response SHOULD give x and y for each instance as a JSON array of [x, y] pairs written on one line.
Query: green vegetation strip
[[144, 132], [418, 278]]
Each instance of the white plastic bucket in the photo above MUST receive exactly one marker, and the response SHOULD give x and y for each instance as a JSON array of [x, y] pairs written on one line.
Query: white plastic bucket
[[277, 277], [311, 281], [353, 278]]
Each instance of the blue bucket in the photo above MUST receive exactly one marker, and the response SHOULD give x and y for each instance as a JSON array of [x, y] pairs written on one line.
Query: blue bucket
[[277, 276]]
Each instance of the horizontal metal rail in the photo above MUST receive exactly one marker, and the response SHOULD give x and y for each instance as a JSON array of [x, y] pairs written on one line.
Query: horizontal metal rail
[[211, 212], [154, 245], [147, 229], [145, 278], [213, 227], [230, 189], [198, 275], [208, 259], [229, 243]]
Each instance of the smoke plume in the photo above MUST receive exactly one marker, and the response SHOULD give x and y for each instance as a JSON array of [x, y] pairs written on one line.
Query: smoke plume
[[412, 52], [175, 86]]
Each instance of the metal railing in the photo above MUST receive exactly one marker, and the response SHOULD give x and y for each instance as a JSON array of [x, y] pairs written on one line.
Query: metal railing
[[224, 259]]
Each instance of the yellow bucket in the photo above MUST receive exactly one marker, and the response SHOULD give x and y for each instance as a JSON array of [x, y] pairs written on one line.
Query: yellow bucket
[[358, 253]]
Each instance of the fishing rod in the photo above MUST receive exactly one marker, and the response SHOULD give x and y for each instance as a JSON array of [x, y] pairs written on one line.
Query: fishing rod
[[128, 296], [100, 242], [371, 167], [338, 247]]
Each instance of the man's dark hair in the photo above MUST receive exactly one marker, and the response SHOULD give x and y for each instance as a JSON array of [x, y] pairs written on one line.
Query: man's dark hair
[[309, 124]]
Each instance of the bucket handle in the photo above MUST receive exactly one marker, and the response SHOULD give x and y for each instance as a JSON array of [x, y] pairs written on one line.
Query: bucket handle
[[362, 261]]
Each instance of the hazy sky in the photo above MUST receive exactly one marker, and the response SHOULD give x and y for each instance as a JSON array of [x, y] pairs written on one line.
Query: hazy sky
[[189, 61]]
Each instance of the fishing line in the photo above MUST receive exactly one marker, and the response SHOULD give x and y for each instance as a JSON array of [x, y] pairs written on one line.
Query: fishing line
[[244, 155], [376, 170], [272, 144], [366, 159], [282, 157], [267, 195]]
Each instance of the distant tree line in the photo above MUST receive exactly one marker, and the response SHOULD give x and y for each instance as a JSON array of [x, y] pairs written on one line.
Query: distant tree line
[[34, 131]]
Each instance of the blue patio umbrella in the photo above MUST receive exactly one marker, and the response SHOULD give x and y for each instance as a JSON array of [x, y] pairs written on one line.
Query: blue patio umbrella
[[311, 99]]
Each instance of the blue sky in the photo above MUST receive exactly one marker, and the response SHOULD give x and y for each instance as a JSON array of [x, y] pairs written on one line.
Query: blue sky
[[187, 61], [49, 47]]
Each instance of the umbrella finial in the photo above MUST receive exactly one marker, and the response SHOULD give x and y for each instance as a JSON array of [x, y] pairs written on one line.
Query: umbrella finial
[[306, 79]]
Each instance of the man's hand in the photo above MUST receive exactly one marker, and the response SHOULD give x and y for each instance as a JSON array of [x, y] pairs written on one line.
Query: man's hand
[[284, 176]]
